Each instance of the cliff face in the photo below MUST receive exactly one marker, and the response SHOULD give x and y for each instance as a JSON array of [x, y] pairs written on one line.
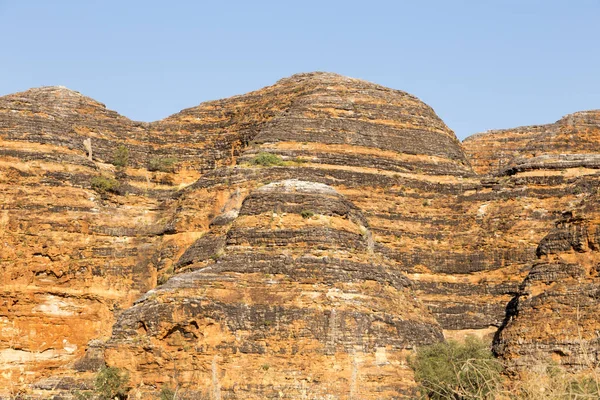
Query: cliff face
[[573, 141], [70, 258], [294, 302], [554, 317], [295, 241]]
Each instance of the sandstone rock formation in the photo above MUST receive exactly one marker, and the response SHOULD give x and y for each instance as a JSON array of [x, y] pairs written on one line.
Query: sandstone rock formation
[[572, 141], [294, 241], [295, 304], [555, 315]]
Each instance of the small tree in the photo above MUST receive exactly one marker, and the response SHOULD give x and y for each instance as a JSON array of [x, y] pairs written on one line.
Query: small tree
[[458, 371], [104, 185], [120, 157], [166, 164], [111, 384]]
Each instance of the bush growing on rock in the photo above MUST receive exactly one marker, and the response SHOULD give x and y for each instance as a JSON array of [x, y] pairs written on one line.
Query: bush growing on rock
[[111, 383], [453, 370], [166, 164], [307, 214], [266, 159], [103, 184], [166, 393], [120, 157]]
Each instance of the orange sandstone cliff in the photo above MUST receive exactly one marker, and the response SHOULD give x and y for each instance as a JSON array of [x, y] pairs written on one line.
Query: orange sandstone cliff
[[294, 242]]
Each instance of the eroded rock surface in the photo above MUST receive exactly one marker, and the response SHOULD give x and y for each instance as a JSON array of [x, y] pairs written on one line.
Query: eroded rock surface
[[555, 315], [575, 138], [312, 274], [295, 304]]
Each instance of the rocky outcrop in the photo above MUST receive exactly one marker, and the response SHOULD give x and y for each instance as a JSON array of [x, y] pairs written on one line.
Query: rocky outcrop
[[574, 140], [111, 244], [295, 304], [71, 257], [554, 316], [294, 241]]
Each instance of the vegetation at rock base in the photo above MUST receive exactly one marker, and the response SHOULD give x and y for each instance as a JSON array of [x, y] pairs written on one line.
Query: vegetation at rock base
[[548, 381], [103, 184], [267, 159], [110, 384], [468, 371], [453, 370], [166, 393], [120, 157], [166, 164]]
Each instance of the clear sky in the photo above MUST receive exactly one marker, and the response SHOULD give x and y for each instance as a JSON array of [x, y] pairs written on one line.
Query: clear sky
[[480, 64]]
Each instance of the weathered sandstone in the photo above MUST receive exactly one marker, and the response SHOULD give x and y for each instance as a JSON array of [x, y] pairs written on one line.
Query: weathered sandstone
[[554, 317], [312, 275]]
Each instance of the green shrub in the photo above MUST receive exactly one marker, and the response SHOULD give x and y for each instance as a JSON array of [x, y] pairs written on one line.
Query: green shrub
[[166, 393], [452, 370], [266, 159], [162, 279], [83, 395], [306, 214], [103, 184], [111, 383], [120, 157], [166, 164]]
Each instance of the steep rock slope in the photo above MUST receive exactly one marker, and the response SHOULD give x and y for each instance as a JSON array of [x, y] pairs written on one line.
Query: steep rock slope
[[574, 140], [555, 315], [293, 304], [70, 257], [107, 248], [391, 155], [552, 317], [346, 202]]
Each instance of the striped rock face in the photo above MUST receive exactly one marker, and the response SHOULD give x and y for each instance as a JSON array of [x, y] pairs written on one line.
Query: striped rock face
[[554, 317], [573, 141], [78, 254], [293, 303], [70, 257], [294, 241]]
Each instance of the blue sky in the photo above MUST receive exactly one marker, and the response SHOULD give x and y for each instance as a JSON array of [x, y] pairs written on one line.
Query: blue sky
[[480, 64]]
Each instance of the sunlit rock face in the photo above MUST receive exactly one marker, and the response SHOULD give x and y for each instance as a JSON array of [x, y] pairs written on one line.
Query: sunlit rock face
[[572, 141], [295, 303], [554, 317], [296, 240]]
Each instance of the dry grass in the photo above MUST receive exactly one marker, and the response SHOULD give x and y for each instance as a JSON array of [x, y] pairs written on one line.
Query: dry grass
[[467, 370], [546, 381]]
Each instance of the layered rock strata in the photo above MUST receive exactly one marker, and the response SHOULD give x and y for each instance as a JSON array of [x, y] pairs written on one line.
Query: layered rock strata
[[70, 258], [294, 304], [319, 199], [574, 138], [554, 318]]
